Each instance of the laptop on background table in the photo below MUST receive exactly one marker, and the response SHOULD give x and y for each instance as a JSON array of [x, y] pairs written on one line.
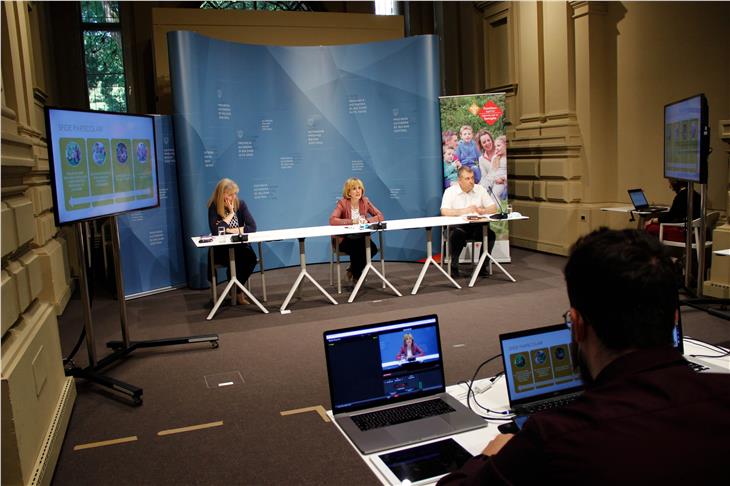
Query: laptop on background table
[[382, 398], [538, 369], [641, 204]]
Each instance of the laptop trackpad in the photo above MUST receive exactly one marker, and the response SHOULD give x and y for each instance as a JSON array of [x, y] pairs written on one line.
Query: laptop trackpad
[[421, 429]]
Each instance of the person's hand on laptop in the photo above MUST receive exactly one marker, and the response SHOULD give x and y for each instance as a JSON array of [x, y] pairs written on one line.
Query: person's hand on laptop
[[496, 444]]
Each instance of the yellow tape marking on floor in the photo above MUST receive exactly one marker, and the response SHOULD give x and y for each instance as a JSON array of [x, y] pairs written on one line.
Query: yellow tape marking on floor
[[104, 443], [318, 408], [190, 428]]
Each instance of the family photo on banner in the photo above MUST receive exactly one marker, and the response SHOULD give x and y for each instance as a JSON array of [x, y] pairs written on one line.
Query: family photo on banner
[[473, 135]]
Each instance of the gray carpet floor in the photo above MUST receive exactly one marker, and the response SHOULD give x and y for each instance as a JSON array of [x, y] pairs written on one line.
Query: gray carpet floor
[[276, 363]]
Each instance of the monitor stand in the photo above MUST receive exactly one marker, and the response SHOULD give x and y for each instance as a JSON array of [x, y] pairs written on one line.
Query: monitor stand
[[120, 348]]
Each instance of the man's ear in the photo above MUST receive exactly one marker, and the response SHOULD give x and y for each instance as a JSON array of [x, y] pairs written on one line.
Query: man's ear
[[579, 325]]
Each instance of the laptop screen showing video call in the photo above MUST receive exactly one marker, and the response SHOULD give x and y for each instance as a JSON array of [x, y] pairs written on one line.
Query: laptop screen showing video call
[[638, 198], [539, 363], [372, 365]]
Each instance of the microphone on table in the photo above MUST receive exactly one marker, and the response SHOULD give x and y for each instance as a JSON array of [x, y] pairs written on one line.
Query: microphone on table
[[240, 237], [501, 214]]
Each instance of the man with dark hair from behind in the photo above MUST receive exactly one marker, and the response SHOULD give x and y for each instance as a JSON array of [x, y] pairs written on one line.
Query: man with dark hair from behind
[[645, 417]]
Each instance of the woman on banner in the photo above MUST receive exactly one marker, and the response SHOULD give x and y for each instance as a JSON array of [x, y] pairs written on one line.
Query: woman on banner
[[485, 141], [498, 168], [355, 208], [229, 214]]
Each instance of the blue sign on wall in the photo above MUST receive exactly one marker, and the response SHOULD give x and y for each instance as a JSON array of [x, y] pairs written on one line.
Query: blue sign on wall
[[290, 124]]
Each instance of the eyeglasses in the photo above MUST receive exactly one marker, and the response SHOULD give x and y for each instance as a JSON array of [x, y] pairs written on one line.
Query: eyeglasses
[[567, 319]]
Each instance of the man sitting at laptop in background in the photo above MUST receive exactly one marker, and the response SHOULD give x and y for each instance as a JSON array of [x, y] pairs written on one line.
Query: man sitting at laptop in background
[[677, 213], [645, 416]]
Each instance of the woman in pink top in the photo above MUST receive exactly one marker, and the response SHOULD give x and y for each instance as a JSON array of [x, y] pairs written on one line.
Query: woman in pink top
[[355, 208]]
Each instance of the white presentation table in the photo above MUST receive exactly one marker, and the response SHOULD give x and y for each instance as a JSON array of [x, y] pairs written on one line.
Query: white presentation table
[[225, 240], [427, 223], [275, 235], [485, 246], [495, 398]]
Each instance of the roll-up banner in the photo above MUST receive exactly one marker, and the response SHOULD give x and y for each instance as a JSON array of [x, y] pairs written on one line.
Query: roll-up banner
[[151, 244], [291, 124], [473, 134]]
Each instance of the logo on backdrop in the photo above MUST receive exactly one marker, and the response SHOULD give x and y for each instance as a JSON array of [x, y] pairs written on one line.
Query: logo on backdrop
[[490, 113]]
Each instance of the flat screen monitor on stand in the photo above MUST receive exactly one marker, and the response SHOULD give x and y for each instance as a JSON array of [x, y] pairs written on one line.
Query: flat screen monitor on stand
[[686, 147], [103, 164]]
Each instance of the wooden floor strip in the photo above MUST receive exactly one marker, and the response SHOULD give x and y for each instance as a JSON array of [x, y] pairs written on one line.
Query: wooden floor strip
[[104, 443], [190, 428], [318, 408]]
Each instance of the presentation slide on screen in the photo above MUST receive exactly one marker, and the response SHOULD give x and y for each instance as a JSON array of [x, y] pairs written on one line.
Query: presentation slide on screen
[[682, 140], [103, 163], [539, 363]]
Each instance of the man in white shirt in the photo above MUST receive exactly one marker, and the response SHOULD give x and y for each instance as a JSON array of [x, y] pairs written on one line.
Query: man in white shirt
[[463, 199]]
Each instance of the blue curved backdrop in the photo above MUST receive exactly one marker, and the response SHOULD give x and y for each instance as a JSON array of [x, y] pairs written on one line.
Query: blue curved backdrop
[[290, 124]]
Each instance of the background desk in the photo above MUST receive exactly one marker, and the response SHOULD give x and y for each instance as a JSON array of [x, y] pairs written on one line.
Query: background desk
[[495, 398], [644, 216]]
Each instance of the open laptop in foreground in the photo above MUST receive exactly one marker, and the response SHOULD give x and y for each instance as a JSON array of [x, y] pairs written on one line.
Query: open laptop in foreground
[[697, 364], [641, 204], [538, 368], [385, 397]]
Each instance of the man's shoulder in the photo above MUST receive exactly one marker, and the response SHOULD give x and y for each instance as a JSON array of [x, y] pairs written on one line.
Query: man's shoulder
[[455, 189]]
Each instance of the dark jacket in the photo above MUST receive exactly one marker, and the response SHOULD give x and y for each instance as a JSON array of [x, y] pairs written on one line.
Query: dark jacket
[[242, 214], [648, 419], [678, 211]]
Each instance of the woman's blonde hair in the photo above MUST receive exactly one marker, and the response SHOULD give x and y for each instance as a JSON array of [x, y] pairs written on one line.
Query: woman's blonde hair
[[224, 186], [406, 336], [350, 184]]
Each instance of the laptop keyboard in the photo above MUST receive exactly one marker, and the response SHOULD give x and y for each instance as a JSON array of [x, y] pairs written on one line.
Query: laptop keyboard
[[400, 415], [697, 367], [549, 404]]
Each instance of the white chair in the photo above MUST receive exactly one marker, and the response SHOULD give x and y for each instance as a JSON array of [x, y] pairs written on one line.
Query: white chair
[[335, 257], [214, 274], [446, 254], [710, 222]]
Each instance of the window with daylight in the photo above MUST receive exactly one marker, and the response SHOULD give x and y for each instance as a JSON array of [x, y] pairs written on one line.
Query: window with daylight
[[286, 6], [104, 56], [385, 7]]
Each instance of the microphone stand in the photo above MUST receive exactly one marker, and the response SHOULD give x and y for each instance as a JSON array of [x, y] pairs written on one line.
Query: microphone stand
[[501, 214]]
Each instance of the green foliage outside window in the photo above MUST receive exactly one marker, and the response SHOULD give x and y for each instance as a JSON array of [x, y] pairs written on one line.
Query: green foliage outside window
[[223, 5], [104, 12], [104, 56]]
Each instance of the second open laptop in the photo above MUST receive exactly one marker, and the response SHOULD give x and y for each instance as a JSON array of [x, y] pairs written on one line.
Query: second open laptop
[[641, 204], [697, 364], [538, 368], [387, 384]]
